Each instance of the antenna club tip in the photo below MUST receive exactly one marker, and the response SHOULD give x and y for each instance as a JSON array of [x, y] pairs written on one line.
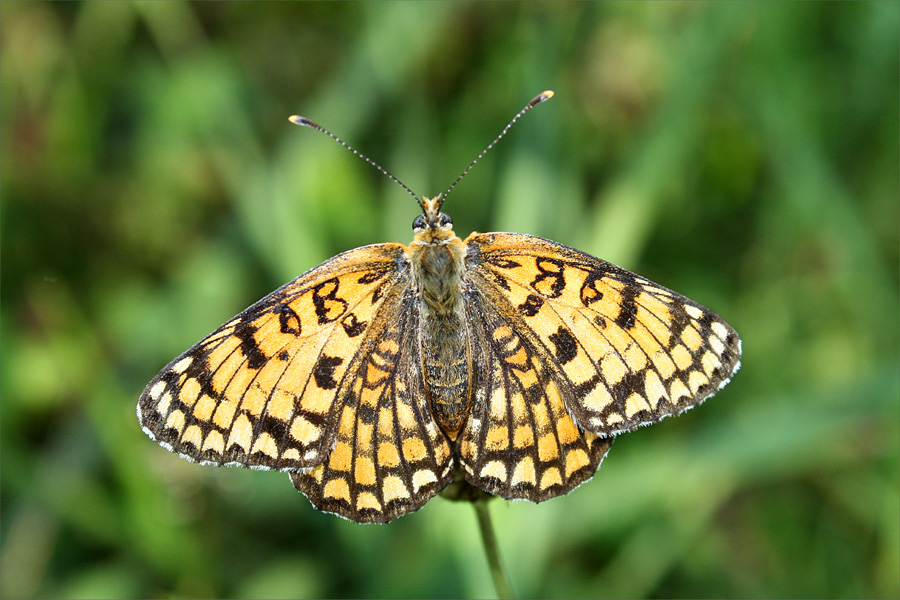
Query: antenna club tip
[[545, 95], [298, 120]]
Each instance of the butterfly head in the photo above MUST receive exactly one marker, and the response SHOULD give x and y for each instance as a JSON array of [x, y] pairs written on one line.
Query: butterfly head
[[433, 226]]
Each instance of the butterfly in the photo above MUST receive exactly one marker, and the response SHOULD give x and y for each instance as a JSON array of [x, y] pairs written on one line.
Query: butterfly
[[372, 379]]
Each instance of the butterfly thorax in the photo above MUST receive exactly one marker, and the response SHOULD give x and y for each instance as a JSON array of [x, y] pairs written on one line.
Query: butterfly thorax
[[437, 259]]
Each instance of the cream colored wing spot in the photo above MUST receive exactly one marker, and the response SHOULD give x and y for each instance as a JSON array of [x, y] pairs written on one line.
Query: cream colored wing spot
[[193, 435], [265, 444], [214, 443], [175, 421], [524, 473], [423, 477], [678, 390], [654, 391], [696, 380], [156, 390], [634, 404], [693, 311], [241, 434], [182, 365], [393, 489], [721, 330], [717, 345], [494, 469], [709, 363], [613, 421], [162, 408]]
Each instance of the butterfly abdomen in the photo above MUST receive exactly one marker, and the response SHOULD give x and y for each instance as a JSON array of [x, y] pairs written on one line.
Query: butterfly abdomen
[[437, 269], [445, 360]]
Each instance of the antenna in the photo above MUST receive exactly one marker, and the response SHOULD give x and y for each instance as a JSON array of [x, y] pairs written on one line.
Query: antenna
[[545, 95], [304, 122]]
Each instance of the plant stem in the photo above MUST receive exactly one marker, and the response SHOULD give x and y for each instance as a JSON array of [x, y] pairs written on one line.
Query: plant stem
[[501, 580]]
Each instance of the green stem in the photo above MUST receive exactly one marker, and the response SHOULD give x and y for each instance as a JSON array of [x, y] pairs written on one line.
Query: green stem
[[501, 581]]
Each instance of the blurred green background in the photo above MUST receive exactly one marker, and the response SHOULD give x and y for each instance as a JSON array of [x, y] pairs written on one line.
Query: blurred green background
[[744, 154]]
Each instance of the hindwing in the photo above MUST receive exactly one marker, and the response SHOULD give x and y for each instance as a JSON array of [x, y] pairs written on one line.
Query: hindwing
[[389, 456], [520, 441]]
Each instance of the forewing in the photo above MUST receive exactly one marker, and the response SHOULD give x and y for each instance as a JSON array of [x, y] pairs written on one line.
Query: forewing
[[264, 390], [624, 351], [389, 457], [520, 442]]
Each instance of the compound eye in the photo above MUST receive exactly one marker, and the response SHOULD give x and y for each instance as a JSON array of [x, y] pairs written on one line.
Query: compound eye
[[444, 220], [419, 222]]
